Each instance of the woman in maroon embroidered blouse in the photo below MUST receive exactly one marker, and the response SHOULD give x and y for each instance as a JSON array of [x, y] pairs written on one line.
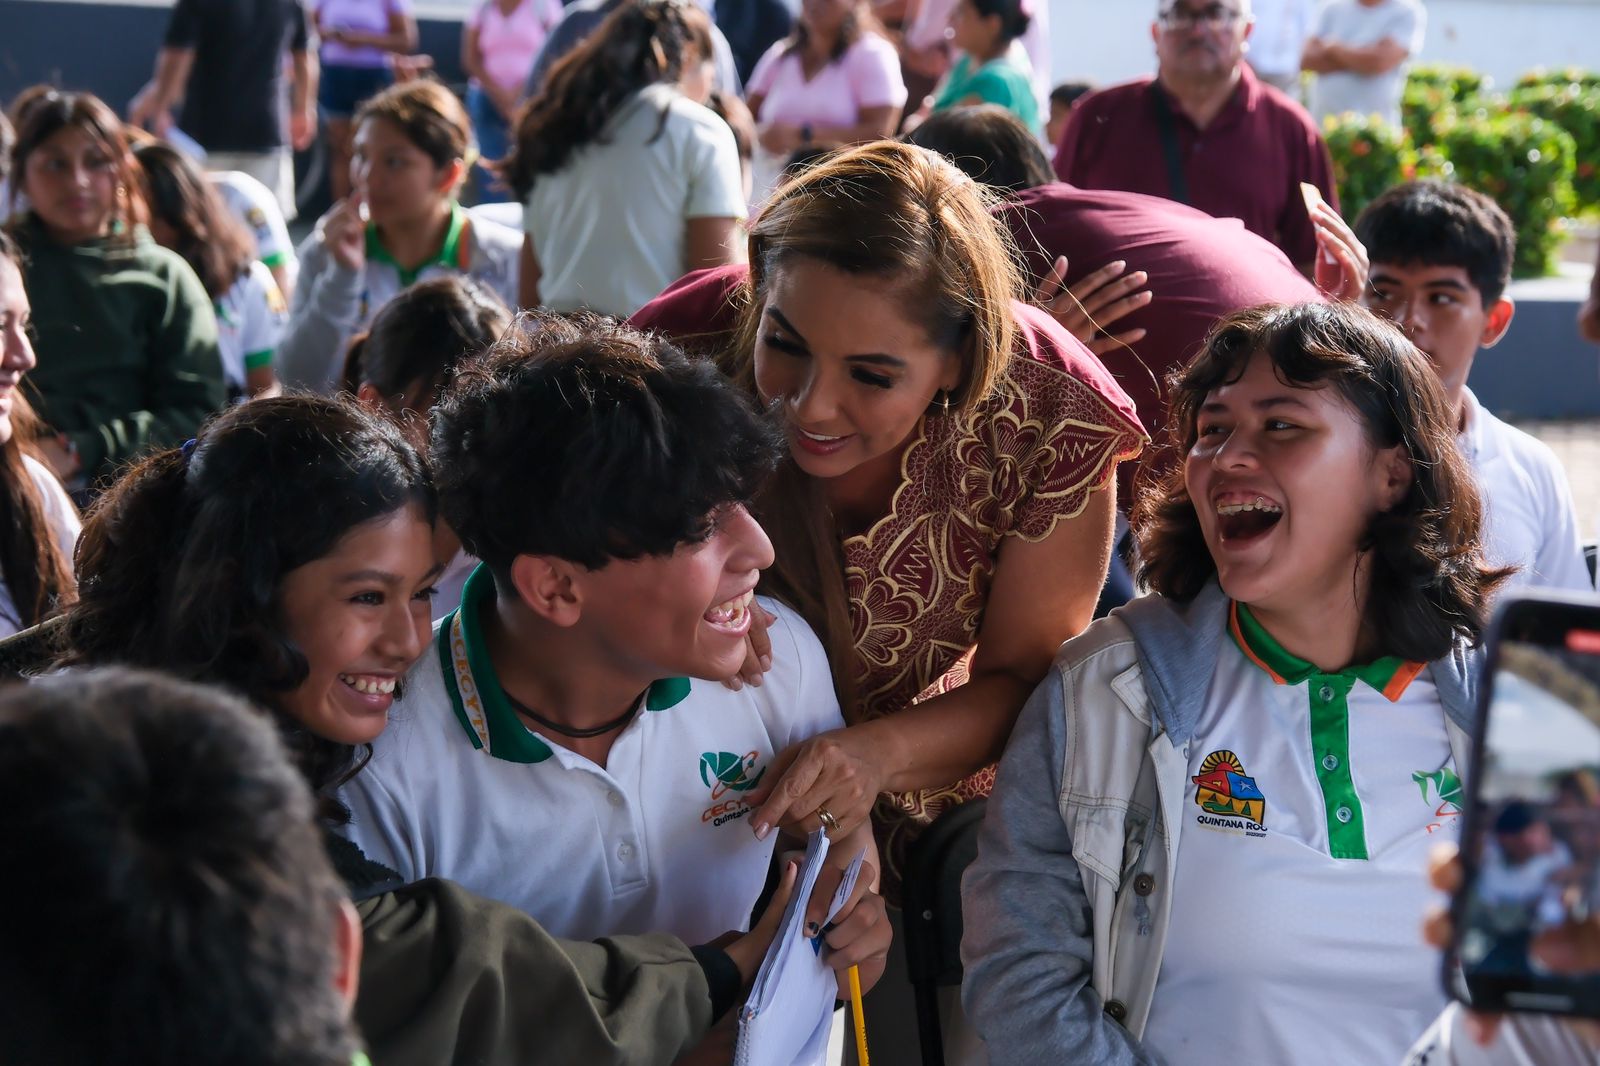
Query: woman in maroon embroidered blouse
[[943, 520]]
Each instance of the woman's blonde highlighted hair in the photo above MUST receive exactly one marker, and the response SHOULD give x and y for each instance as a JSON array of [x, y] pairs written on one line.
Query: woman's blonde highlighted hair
[[905, 217]]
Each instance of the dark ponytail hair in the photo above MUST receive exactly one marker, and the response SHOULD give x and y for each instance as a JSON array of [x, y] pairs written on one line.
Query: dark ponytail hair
[[641, 43], [420, 338], [36, 569], [182, 560]]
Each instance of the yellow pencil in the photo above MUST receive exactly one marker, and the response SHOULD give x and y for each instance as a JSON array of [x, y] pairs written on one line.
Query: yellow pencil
[[858, 1016]]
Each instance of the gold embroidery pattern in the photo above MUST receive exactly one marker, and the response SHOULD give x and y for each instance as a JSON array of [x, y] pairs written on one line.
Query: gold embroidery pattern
[[919, 579]]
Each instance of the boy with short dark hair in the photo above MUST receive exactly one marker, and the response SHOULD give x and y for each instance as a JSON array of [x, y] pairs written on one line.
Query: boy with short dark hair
[[567, 745], [1441, 258], [167, 896]]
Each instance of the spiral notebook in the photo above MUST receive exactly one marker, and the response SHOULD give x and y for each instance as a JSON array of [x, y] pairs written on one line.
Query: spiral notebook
[[786, 1019]]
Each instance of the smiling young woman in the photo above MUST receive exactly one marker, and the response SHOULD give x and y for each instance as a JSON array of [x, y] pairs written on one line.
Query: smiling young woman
[[125, 329], [401, 224], [207, 562], [38, 523], [1262, 723]]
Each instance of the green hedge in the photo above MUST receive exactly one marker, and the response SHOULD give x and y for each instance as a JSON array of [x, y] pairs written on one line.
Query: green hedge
[[1436, 92], [1526, 164], [1369, 156], [1583, 79], [1576, 109], [1536, 150], [1458, 83]]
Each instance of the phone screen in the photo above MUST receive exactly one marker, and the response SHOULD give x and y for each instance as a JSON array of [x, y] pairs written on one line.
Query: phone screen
[[1532, 845]]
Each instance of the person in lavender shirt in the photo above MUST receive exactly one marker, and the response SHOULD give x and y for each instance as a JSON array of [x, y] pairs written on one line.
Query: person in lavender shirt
[[358, 37]]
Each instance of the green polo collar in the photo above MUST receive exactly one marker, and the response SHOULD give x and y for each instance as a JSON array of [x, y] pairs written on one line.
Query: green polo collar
[[1328, 707], [452, 253], [469, 678], [1388, 675]]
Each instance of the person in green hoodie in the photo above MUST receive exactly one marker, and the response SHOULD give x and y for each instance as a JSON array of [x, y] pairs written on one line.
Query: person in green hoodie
[[127, 339]]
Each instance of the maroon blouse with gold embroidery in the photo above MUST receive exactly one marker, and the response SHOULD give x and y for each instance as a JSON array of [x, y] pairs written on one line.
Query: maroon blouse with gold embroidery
[[1025, 459]]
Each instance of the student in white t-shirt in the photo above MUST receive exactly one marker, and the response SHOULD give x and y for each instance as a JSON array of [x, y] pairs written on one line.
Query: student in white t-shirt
[[189, 217], [414, 148], [38, 523], [1211, 825], [567, 744], [627, 181], [416, 345], [1441, 258]]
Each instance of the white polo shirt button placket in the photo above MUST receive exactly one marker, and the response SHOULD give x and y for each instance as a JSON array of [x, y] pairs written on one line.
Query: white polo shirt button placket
[[1313, 800]]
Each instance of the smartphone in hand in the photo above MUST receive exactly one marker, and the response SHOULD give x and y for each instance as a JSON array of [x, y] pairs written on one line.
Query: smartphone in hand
[[1531, 845]]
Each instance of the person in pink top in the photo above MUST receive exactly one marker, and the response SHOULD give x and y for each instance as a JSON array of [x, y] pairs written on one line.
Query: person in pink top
[[498, 47], [835, 80], [358, 36]]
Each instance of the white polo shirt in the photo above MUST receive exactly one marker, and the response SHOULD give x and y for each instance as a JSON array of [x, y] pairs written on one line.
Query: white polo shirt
[[1301, 874], [657, 840], [255, 205], [1529, 519], [250, 321]]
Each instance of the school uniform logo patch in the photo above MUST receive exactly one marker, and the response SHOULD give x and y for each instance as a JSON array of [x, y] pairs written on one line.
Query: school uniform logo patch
[[723, 773], [1445, 798], [1229, 798]]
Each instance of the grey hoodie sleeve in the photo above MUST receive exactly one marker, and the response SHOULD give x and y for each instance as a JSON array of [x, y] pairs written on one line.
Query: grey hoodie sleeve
[[1028, 946], [326, 311]]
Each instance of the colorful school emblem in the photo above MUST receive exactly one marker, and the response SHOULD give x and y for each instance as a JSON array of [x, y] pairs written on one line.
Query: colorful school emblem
[[1222, 787], [1445, 798], [724, 772]]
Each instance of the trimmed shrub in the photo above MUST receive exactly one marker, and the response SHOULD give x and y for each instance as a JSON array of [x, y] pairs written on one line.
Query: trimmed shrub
[[1575, 109], [1584, 79], [1369, 156], [1526, 163]]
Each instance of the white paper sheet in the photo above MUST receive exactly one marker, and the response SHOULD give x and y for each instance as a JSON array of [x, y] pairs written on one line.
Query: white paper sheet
[[786, 1019]]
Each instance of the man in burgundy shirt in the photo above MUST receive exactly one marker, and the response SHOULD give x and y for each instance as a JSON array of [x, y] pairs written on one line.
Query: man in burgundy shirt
[[1197, 268], [1204, 131], [1194, 268]]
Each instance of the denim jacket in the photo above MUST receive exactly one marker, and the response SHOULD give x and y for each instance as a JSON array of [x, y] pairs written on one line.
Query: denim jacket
[[1067, 905]]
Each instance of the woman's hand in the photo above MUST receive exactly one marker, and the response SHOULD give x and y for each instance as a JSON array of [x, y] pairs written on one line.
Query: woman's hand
[[1088, 309], [840, 771], [757, 650], [344, 233], [1342, 264]]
